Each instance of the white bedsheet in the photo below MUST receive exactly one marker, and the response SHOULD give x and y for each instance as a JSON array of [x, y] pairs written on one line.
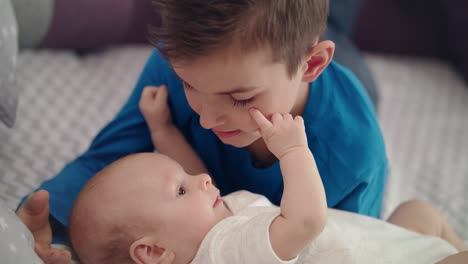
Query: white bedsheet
[[423, 114]]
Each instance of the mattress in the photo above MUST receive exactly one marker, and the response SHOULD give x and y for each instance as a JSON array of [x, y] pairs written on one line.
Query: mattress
[[66, 98]]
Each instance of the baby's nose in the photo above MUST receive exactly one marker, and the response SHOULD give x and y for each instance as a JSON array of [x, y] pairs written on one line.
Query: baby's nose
[[205, 181]]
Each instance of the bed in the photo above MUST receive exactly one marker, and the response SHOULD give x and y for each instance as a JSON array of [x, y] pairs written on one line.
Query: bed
[[66, 98]]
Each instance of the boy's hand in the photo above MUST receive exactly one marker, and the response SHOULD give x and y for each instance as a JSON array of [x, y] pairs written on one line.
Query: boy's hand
[[283, 134], [154, 107], [34, 213]]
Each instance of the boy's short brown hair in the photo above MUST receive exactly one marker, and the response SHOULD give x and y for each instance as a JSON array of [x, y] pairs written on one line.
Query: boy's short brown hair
[[194, 28]]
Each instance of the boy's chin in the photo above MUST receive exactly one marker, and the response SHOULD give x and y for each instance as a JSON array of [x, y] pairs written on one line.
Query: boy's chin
[[241, 141]]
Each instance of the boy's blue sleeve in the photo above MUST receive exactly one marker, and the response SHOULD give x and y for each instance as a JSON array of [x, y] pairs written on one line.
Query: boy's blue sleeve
[[127, 133], [349, 147], [366, 196]]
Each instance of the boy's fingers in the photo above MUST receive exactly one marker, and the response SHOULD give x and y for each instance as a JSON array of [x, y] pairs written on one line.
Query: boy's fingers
[[150, 92], [51, 256], [162, 95], [34, 204], [260, 119]]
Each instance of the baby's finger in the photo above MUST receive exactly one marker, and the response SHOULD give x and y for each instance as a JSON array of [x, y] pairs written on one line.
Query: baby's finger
[[277, 117], [260, 119], [299, 120]]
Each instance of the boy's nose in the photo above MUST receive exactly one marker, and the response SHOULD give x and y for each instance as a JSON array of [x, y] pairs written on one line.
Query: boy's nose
[[210, 118]]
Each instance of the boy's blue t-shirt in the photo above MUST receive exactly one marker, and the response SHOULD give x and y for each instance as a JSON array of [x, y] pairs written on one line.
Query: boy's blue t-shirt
[[341, 127]]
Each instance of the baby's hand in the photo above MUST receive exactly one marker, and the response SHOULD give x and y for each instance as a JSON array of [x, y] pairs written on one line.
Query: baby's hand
[[154, 107], [283, 134]]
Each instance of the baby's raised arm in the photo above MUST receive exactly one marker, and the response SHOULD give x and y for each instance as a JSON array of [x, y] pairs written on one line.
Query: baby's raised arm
[[166, 137], [303, 205]]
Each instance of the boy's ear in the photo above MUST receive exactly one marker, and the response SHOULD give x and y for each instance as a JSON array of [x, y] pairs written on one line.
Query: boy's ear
[[147, 251], [318, 58]]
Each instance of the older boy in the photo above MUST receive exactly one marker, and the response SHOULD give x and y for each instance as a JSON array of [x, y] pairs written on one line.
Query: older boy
[[220, 58]]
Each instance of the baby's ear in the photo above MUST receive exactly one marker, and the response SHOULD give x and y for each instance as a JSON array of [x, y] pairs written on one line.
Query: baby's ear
[[318, 58], [146, 250]]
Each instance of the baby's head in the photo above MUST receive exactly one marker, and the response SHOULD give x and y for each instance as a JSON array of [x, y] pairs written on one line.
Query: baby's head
[[144, 208]]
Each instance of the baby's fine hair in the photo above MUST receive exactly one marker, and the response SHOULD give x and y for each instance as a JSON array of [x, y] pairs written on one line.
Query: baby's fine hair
[[193, 28]]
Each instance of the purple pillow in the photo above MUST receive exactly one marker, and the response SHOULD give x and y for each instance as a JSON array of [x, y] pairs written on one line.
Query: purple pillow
[[455, 12], [437, 28], [91, 24]]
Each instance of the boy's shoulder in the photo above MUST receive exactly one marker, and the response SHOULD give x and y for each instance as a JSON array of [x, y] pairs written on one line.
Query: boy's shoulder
[[337, 93], [342, 124]]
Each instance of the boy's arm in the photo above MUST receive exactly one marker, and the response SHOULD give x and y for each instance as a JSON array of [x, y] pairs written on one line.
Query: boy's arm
[[166, 137], [303, 205], [171, 142]]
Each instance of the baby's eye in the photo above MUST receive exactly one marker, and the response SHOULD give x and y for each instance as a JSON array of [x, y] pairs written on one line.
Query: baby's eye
[[187, 86], [181, 191]]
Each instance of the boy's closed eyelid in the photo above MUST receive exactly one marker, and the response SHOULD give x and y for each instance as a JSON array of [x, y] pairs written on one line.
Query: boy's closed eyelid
[[240, 91]]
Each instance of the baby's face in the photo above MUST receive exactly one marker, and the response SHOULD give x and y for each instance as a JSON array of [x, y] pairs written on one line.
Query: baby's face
[[187, 206], [150, 195], [155, 190]]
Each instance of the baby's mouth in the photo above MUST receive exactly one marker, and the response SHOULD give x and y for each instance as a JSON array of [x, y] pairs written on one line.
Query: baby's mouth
[[217, 201]]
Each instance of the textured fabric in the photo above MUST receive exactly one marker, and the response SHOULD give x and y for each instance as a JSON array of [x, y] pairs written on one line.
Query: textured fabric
[[347, 238], [8, 53], [75, 96], [425, 125]]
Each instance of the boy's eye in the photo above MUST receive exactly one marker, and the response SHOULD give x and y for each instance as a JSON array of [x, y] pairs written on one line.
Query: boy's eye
[[235, 102], [181, 191], [242, 103]]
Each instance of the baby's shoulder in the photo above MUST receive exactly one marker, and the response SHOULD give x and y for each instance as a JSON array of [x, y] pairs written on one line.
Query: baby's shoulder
[[240, 200]]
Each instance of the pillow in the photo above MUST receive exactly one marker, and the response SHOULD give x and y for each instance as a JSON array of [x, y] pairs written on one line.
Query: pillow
[[457, 39], [34, 18], [434, 28], [8, 53], [16, 242]]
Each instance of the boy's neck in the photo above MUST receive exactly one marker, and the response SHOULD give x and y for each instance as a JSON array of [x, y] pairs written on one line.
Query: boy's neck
[[302, 96], [261, 156]]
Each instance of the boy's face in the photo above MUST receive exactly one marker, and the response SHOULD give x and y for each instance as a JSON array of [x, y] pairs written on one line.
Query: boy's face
[[222, 87]]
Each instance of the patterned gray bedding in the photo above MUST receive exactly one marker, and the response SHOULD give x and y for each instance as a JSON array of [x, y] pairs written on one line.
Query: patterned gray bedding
[[66, 99]]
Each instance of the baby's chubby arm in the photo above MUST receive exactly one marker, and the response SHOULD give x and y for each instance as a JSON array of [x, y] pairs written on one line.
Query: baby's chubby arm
[[303, 205], [166, 137]]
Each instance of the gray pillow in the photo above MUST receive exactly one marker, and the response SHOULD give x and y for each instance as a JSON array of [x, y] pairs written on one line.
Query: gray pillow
[[8, 53], [16, 242]]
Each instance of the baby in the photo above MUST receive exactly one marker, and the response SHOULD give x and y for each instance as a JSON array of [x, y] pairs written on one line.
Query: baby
[[145, 208]]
